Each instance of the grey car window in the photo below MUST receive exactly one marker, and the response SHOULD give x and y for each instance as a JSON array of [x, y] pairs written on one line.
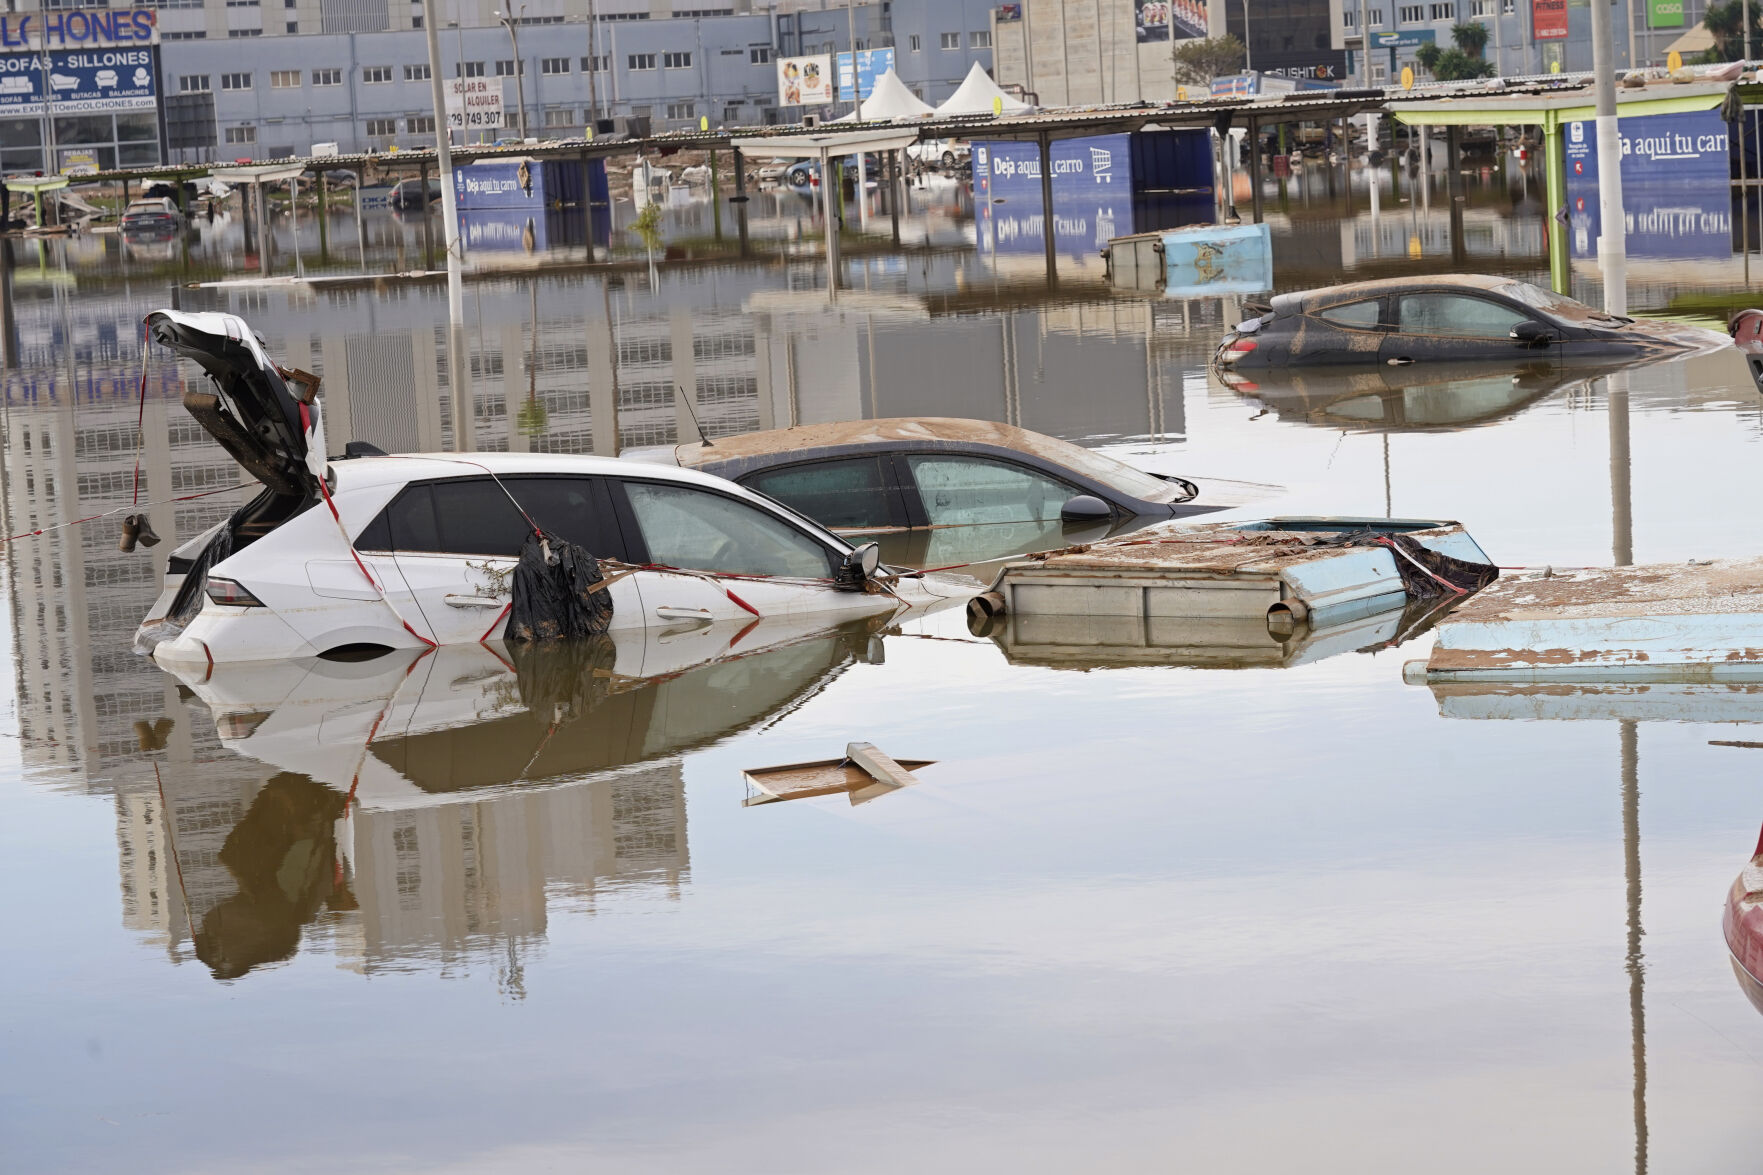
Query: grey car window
[[967, 491], [1354, 314], [851, 492], [1457, 316], [688, 527]]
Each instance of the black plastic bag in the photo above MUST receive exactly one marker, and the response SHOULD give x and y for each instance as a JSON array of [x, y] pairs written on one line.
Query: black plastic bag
[[557, 592]]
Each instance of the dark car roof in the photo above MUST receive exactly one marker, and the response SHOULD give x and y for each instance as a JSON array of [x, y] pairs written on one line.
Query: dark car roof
[[1304, 301]]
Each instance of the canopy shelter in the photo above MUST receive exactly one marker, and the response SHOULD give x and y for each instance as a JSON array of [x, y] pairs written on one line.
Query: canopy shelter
[[1553, 111], [258, 176], [828, 146], [36, 186], [1697, 40], [977, 94], [889, 99]]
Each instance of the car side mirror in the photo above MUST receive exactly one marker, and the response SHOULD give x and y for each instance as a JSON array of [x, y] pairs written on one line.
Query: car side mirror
[[1085, 508], [1532, 334], [859, 566]]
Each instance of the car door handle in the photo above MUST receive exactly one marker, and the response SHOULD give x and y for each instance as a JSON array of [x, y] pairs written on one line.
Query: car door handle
[[701, 615], [1399, 361], [453, 601]]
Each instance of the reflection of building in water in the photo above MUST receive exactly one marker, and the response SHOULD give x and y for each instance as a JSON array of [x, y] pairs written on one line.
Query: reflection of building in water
[[237, 869], [453, 878]]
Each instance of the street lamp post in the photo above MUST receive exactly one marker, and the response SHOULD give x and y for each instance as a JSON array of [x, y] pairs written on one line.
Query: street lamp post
[[507, 20], [1248, 54]]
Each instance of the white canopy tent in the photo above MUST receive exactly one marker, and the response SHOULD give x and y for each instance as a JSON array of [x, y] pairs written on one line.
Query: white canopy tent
[[889, 99], [977, 94]]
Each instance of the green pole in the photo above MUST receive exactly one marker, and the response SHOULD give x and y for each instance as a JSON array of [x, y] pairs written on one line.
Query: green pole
[[1555, 168]]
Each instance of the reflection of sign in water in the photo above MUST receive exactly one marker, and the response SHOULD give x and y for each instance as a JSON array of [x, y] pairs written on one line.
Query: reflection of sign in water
[[805, 81], [871, 64], [1666, 222], [1548, 19], [1655, 148]]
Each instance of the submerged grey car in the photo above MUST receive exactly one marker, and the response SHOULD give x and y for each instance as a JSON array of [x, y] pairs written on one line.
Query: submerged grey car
[[1458, 318]]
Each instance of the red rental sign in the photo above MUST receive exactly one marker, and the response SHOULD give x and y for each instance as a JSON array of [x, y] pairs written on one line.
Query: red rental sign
[[1548, 20]]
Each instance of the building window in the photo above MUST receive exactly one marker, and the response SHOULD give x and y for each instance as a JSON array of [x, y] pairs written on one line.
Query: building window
[[732, 112], [1349, 18], [376, 75], [759, 55], [980, 40], [244, 3], [641, 61], [1446, 11], [293, 26], [511, 119], [327, 77], [194, 83], [197, 35], [599, 64], [1374, 17], [505, 68], [416, 73], [560, 118], [950, 41], [1379, 73], [682, 110], [422, 124], [1411, 13], [913, 44], [470, 69], [241, 134], [235, 81], [382, 128], [284, 79], [553, 65], [416, 21], [244, 32], [676, 61]]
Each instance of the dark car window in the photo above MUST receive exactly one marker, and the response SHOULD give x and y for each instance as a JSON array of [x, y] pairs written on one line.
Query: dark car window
[[473, 516], [684, 526], [1457, 316], [1360, 315], [852, 492], [968, 491]]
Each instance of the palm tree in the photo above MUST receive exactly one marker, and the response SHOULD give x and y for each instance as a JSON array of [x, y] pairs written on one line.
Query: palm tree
[[1471, 36]]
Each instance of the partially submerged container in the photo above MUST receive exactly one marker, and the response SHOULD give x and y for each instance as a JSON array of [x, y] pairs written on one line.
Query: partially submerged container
[[1657, 623], [1281, 572], [1198, 261]]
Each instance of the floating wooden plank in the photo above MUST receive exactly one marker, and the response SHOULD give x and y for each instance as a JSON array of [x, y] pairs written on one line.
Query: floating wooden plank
[[863, 775]]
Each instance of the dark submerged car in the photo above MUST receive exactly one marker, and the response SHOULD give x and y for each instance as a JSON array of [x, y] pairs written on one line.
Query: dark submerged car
[[1455, 317], [974, 484]]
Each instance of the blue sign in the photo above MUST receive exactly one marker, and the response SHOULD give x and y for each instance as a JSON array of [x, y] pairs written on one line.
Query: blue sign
[[871, 64], [81, 81], [1092, 194], [1656, 148], [1013, 168]]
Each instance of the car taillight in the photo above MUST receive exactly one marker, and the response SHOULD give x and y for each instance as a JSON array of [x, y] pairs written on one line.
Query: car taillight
[[1242, 346], [231, 594]]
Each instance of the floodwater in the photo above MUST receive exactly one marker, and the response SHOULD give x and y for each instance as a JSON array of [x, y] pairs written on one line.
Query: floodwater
[[1223, 909]]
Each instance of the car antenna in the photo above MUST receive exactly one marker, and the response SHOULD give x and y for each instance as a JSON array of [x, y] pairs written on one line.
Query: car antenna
[[693, 412]]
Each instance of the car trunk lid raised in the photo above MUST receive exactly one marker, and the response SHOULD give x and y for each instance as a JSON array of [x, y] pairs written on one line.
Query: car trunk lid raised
[[273, 428]]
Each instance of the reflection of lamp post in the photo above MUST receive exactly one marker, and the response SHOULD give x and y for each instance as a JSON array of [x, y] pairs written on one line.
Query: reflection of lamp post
[[507, 20]]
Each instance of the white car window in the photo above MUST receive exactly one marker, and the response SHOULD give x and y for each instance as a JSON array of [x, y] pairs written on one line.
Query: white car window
[[966, 491], [687, 527]]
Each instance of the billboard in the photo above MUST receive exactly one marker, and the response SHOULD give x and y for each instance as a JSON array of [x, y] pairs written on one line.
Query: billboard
[[871, 64], [80, 81], [1657, 149], [473, 104], [1158, 20], [805, 81], [1665, 14], [1548, 20], [79, 29]]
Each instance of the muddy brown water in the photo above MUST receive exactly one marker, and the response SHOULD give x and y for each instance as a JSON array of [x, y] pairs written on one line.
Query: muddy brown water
[[1231, 903]]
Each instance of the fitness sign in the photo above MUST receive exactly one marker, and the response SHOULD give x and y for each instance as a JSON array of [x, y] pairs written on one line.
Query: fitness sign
[[96, 60]]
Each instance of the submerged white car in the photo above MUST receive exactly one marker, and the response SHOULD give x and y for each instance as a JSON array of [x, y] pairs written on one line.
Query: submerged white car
[[350, 556]]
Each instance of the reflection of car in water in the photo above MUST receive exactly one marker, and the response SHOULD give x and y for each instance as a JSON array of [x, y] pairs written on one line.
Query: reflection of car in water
[[575, 744], [1451, 318], [1400, 398], [288, 574]]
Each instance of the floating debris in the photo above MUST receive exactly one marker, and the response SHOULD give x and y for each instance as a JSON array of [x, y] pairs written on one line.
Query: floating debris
[[865, 773]]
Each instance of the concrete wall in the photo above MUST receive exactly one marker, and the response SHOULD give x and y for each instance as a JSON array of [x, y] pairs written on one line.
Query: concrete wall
[[1081, 52]]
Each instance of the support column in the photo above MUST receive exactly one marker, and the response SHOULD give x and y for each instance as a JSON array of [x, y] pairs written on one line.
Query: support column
[[1555, 168], [1048, 230], [324, 226], [894, 194], [740, 199], [1255, 168], [587, 204], [832, 230], [862, 191], [715, 196]]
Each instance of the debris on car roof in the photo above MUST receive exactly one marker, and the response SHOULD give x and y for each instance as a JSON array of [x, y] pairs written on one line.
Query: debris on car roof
[[1283, 571], [1697, 621]]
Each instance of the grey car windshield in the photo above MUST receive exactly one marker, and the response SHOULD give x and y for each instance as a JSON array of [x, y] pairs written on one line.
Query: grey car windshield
[[1557, 305]]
